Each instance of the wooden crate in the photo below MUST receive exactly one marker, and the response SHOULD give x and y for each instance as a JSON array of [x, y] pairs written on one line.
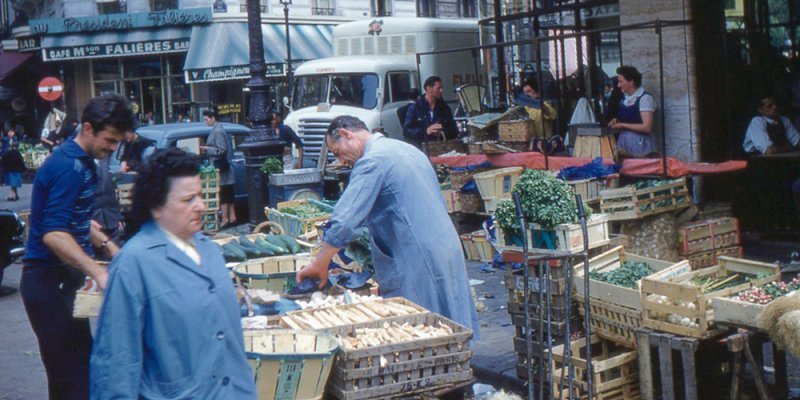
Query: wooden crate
[[290, 364], [673, 285], [87, 304], [451, 200], [615, 372], [293, 225], [564, 238], [124, 192], [210, 221], [497, 183], [210, 197], [631, 203], [709, 258], [460, 177], [708, 235], [486, 251], [470, 249], [732, 311], [592, 147], [590, 189], [410, 367], [471, 203], [276, 274], [521, 130], [437, 148], [333, 316], [209, 179], [612, 322], [34, 159]]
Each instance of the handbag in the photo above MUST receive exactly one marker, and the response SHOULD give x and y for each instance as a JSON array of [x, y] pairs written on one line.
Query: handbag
[[221, 163]]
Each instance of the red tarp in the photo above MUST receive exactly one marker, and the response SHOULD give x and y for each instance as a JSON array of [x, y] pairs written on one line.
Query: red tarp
[[631, 167]]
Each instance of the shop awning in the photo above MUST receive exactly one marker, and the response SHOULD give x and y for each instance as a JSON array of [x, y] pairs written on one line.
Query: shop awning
[[220, 51], [10, 61], [116, 44]]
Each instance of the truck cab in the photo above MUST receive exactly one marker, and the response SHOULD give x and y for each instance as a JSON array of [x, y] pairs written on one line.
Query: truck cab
[[373, 73]]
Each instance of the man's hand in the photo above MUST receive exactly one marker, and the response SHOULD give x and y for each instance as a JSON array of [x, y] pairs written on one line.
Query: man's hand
[[101, 277], [612, 123], [434, 129], [123, 167], [317, 269]]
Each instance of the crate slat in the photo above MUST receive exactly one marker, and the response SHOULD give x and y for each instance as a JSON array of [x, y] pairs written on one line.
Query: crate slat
[[563, 238], [631, 203]]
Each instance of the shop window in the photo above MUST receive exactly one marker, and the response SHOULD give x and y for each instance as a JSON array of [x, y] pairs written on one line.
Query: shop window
[[426, 8], [108, 7], [467, 9], [141, 68], [162, 5], [322, 7], [382, 8], [105, 70]]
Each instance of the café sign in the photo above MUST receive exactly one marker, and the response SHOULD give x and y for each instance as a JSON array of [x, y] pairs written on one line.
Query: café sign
[[32, 43], [230, 72], [154, 19], [116, 49]]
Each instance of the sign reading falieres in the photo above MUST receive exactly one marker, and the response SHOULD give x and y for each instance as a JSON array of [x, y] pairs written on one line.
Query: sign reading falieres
[[154, 19], [230, 72], [116, 49]]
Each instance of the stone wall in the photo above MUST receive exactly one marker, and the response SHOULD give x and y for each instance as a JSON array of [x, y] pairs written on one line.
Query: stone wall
[[640, 49]]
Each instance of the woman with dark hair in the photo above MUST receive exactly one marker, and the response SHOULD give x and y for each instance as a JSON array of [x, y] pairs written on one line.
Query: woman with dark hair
[[13, 167], [170, 324], [635, 115]]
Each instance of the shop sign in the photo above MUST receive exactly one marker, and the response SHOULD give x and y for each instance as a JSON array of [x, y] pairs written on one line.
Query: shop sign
[[611, 10], [29, 44], [116, 49], [155, 19], [229, 109], [231, 72]]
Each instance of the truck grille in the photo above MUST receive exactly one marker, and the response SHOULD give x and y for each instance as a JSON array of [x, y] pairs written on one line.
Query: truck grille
[[313, 130]]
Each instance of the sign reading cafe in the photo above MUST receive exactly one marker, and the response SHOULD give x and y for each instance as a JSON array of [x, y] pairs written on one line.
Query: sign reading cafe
[[116, 49], [153, 19]]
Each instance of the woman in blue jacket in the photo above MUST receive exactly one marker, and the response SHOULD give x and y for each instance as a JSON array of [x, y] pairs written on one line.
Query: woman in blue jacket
[[170, 325]]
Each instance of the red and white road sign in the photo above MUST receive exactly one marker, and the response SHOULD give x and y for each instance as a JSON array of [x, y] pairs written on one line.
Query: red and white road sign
[[50, 88]]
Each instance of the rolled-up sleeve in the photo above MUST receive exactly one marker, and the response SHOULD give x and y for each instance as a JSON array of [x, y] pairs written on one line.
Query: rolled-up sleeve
[[356, 203], [60, 203], [756, 137], [116, 364]]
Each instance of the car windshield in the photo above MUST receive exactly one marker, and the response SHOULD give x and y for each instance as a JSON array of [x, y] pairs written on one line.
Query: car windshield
[[356, 90]]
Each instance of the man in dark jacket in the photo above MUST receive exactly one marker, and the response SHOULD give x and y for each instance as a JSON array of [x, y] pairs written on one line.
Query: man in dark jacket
[[134, 152], [429, 118]]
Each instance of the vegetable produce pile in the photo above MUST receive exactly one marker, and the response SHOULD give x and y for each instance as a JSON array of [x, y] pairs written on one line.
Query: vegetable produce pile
[[242, 249], [545, 200], [392, 333], [208, 175], [712, 283], [769, 292], [272, 165], [319, 300], [626, 275], [348, 314], [305, 211]]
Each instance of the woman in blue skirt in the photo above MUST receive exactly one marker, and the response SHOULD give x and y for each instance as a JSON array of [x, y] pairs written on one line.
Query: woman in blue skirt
[[13, 167]]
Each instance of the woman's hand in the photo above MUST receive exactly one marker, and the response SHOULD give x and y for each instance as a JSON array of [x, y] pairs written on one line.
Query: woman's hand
[[612, 123]]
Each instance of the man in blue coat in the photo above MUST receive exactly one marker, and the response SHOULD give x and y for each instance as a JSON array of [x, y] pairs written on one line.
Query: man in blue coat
[[394, 192]]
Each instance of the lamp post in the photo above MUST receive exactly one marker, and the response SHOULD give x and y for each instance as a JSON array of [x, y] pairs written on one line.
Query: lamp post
[[289, 74], [261, 143]]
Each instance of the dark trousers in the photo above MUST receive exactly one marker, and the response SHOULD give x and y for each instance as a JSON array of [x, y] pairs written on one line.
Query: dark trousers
[[48, 293]]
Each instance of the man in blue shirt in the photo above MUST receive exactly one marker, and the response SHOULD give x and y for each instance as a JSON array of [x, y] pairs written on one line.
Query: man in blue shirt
[[60, 244]]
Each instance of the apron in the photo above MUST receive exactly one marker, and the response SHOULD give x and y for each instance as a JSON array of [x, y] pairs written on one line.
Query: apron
[[777, 134], [636, 143]]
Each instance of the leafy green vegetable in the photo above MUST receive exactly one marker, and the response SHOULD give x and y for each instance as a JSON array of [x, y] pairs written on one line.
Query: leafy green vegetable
[[545, 200], [272, 165], [304, 211], [626, 275]]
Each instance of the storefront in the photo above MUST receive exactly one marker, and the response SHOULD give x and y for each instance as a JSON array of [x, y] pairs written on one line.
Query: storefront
[[218, 63], [141, 58]]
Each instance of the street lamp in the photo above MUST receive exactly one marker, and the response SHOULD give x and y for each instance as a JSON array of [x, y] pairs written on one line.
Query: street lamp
[[289, 75], [261, 143]]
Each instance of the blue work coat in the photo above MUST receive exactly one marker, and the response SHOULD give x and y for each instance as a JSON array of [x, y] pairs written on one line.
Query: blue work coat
[[394, 192], [169, 328]]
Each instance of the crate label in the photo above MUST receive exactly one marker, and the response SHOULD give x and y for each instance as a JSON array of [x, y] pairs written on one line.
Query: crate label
[[416, 385], [507, 184], [288, 379], [533, 284]]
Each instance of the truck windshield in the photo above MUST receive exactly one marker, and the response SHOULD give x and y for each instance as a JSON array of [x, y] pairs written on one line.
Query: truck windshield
[[356, 90]]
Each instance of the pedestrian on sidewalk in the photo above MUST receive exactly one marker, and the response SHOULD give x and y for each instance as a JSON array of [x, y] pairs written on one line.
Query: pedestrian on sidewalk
[[13, 167], [60, 245], [416, 249], [217, 148], [154, 299]]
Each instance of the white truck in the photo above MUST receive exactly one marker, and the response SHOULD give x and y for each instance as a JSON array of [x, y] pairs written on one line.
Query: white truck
[[373, 70]]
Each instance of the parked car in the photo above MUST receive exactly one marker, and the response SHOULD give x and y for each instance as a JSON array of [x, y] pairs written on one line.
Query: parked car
[[12, 244], [190, 136]]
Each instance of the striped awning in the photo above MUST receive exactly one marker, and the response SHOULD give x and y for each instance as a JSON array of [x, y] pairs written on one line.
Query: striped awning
[[220, 51], [116, 44]]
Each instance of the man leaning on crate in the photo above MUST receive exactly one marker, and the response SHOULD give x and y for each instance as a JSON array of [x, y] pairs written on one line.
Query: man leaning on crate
[[59, 249]]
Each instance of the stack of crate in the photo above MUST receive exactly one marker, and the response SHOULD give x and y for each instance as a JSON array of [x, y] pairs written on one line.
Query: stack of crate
[[558, 297], [210, 193], [702, 242]]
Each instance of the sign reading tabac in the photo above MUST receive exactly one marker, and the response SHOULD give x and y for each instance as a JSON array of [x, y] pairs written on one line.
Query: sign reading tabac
[[154, 19], [116, 49]]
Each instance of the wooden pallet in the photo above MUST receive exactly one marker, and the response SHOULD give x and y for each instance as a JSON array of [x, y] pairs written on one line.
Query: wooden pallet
[[708, 235], [615, 372], [674, 285], [409, 367], [631, 203]]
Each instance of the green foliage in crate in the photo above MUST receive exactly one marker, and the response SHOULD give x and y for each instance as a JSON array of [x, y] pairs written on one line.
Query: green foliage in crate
[[304, 211], [272, 165], [545, 200], [626, 275]]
